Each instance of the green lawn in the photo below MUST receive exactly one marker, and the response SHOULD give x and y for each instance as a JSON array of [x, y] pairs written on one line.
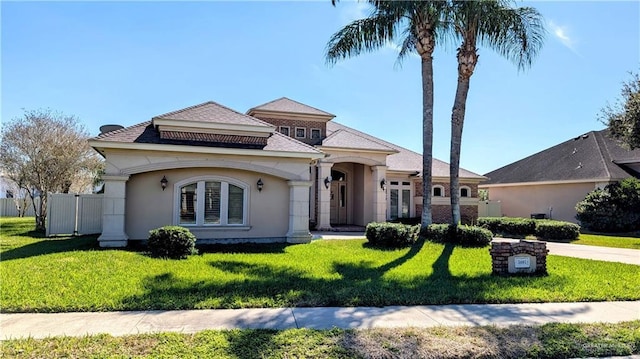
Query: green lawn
[[73, 274], [546, 341], [608, 241]]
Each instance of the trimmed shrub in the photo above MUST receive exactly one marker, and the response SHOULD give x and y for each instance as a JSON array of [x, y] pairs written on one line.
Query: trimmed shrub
[[508, 226], [613, 209], [391, 234], [548, 229], [468, 236], [173, 242]]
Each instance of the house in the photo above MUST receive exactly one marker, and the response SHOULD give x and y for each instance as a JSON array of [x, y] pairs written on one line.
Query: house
[[263, 176], [550, 183]]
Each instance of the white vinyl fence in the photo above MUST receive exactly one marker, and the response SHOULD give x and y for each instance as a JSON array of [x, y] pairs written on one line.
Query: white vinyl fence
[[76, 214], [11, 207], [489, 209]]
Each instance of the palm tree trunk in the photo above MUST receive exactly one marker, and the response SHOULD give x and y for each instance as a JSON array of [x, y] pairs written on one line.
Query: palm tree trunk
[[457, 122], [427, 137]]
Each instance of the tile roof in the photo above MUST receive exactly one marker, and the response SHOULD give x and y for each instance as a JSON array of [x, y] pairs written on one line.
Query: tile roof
[[213, 112], [284, 104], [147, 133], [213, 138], [404, 160], [586, 157], [345, 139]]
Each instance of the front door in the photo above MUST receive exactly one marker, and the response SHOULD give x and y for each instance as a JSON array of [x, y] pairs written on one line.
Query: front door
[[338, 204], [399, 199]]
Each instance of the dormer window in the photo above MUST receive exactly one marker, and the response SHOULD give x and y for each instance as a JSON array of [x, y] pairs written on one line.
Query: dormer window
[[315, 133], [284, 130], [301, 132]]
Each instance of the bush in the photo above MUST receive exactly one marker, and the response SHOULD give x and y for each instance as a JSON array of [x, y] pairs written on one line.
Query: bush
[[468, 236], [391, 234], [613, 209], [509, 226], [548, 229], [173, 242]]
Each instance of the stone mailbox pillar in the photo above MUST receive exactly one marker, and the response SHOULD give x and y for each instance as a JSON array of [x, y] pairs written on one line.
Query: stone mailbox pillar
[[511, 257]]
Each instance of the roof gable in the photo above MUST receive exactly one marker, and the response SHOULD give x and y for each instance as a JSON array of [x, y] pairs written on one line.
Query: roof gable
[[587, 157], [349, 140], [212, 112], [286, 105]]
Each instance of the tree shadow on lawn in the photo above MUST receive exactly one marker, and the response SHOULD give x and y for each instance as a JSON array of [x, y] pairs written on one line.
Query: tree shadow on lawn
[[350, 284], [50, 246]]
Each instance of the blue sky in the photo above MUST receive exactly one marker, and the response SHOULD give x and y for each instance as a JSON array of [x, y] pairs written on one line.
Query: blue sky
[[125, 62]]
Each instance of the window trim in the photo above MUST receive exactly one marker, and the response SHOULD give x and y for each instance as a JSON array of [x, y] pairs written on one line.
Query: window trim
[[288, 130], [301, 128], [319, 133], [200, 190], [468, 191], [433, 191]]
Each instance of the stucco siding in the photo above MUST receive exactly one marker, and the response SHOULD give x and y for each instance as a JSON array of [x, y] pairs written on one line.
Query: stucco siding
[[149, 207], [522, 201]]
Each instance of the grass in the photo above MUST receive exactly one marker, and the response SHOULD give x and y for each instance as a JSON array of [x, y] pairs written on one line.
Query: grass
[[546, 341], [72, 274], [603, 240]]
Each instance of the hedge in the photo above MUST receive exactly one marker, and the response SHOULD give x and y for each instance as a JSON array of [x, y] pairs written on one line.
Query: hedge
[[468, 236], [542, 228], [391, 234]]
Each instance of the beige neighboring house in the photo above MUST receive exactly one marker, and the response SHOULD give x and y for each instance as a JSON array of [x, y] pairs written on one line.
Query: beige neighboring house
[[265, 176], [550, 183]]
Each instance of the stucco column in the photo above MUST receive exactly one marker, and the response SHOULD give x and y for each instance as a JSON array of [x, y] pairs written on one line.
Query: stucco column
[[379, 196], [113, 212], [299, 212], [324, 197]]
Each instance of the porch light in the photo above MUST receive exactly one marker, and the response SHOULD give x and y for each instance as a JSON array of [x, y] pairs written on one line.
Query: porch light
[[164, 182], [260, 184], [327, 181], [383, 184]]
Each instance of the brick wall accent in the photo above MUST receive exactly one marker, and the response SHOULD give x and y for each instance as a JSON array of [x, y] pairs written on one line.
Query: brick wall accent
[[501, 251], [292, 124], [417, 189], [442, 213]]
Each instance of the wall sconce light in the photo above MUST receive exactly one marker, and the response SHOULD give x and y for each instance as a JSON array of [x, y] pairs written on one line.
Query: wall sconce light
[[327, 181], [164, 182], [383, 184], [260, 184]]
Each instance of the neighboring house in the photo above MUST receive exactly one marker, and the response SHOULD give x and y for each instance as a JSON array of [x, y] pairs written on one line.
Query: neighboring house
[[264, 176], [553, 181]]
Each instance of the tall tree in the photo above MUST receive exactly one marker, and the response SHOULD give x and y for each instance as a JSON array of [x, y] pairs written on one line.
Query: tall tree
[[623, 118], [47, 152], [515, 33], [417, 24]]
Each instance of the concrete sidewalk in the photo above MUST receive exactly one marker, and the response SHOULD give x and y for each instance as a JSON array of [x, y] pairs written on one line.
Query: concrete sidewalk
[[24, 325]]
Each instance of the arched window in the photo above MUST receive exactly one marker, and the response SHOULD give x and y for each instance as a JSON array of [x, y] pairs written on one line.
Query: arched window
[[465, 191], [438, 191], [211, 202]]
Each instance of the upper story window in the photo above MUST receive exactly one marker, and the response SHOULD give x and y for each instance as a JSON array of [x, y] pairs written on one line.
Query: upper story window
[[315, 133], [301, 132], [438, 191], [212, 202], [465, 192], [284, 130]]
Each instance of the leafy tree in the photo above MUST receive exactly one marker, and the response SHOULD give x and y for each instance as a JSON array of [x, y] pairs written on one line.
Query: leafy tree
[[47, 152], [515, 33], [612, 209], [623, 118], [418, 24]]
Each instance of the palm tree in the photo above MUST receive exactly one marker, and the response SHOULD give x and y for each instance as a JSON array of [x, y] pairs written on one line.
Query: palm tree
[[515, 33], [418, 24]]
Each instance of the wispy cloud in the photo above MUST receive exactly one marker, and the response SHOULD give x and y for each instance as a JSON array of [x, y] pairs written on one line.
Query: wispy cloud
[[352, 10], [562, 34]]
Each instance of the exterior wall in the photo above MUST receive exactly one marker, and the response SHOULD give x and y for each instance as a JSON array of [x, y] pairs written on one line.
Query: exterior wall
[[292, 124], [522, 201], [148, 207], [441, 206]]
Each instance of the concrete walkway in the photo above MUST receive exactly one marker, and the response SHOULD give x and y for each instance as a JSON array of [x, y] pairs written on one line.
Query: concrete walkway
[[24, 325]]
